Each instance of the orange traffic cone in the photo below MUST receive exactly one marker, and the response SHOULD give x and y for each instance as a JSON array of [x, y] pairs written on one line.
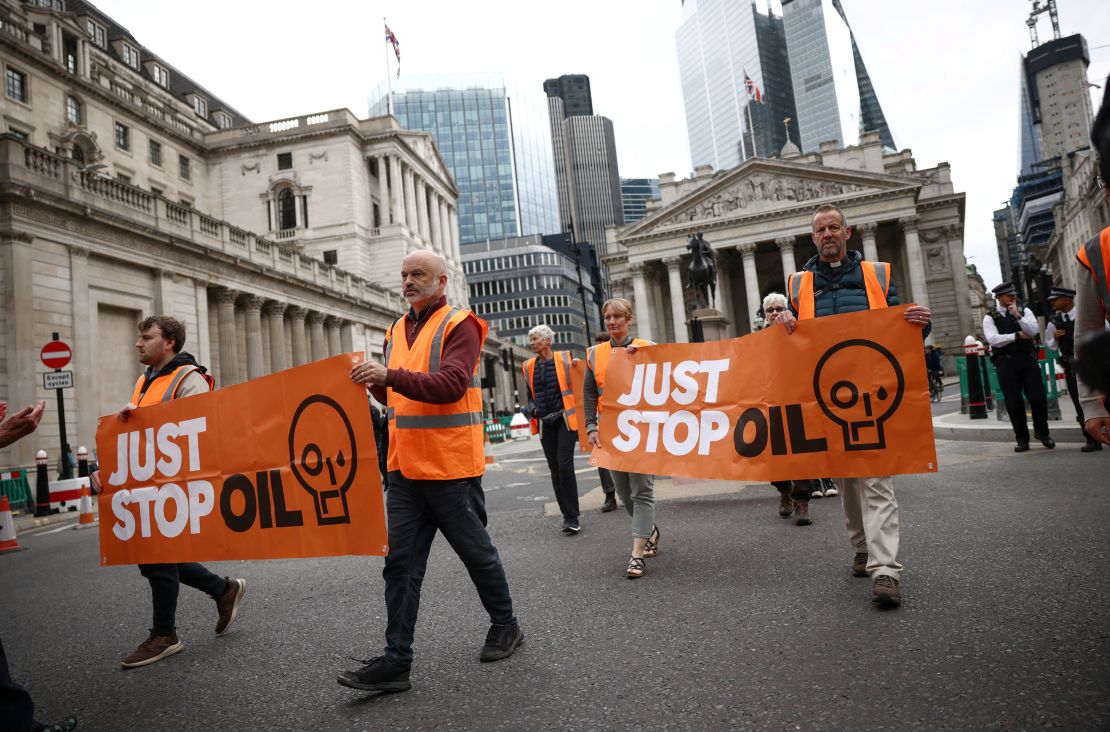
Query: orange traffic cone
[[7, 528], [87, 519], [489, 451]]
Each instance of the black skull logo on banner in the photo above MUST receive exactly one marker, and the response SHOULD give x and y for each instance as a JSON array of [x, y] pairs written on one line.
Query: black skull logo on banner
[[324, 460], [862, 403]]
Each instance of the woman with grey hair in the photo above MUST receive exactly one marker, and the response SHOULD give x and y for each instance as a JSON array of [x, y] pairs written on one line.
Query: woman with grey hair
[[794, 495], [551, 403]]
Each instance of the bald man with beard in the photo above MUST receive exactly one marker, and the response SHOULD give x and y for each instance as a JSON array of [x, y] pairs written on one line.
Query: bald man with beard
[[430, 387]]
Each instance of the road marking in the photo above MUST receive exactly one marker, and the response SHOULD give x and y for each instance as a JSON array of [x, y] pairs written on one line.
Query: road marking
[[52, 531]]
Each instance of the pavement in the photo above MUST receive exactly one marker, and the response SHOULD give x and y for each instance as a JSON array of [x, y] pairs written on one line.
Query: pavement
[[744, 621]]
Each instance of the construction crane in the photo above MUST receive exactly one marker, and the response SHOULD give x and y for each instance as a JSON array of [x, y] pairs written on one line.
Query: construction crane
[[1049, 7]]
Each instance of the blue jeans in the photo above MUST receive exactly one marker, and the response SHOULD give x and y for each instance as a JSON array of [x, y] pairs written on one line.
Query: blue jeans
[[416, 509], [165, 582]]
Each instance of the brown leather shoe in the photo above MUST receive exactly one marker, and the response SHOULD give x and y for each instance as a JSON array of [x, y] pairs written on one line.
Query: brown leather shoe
[[786, 504], [885, 591], [227, 604], [859, 564], [153, 649], [801, 513]]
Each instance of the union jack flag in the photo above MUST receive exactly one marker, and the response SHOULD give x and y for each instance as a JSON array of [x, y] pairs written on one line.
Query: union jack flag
[[752, 89], [391, 37]]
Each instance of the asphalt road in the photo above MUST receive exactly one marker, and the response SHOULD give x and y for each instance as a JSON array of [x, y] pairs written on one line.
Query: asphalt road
[[744, 621]]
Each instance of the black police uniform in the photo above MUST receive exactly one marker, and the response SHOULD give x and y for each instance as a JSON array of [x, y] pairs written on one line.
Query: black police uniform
[[1065, 344], [1018, 372]]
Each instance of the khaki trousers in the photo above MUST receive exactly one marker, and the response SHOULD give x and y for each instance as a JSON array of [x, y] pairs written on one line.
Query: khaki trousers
[[871, 514]]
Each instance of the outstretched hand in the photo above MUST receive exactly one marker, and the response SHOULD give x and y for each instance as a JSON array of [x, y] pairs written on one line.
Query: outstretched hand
[[20, 424]]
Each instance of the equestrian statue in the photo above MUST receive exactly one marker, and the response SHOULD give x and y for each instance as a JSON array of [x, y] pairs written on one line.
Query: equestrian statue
[[702, 272]]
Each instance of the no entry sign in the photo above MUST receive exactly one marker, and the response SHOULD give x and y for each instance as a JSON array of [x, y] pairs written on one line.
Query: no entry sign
[[56, 354]]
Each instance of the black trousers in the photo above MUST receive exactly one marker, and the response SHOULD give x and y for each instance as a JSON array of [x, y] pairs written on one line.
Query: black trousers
[[1073, 392], [608, 487], [802, 490], [558, 447], [1020, 375], [17, 711], [165, 583]]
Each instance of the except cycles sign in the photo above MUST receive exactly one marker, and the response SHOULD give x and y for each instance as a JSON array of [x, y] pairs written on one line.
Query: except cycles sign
[[56, 354]]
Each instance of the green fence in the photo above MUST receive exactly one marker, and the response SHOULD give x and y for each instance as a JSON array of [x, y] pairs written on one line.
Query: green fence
[[18, 491], [1048, 376], [497, 430]]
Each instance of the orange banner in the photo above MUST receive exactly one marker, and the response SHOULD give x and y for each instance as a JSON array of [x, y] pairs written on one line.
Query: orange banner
[[577, 376], [843, 396], [281, 466]]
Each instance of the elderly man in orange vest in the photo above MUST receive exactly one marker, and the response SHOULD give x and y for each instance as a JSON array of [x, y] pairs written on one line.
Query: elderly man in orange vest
[[836, 281], [552, 404], [430, 386], [172, 374]]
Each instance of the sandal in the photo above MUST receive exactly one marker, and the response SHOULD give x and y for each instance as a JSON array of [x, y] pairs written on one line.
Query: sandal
[[651, 548], [636, 566]]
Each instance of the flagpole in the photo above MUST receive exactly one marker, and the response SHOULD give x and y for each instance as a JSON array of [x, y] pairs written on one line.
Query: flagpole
[[388, 76], [751, 129]]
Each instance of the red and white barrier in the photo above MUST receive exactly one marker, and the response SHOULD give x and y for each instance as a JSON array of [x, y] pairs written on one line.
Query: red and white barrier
[[11, 474], [65, 495]]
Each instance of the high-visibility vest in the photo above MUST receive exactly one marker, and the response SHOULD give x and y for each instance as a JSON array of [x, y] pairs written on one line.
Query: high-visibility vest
[[597, 360], [562, 371], [876, 281], [165, 386], [1095, 257], [434, 441]]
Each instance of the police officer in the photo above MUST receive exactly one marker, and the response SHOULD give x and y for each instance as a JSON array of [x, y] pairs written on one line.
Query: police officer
[[1059, 335], [1011, 332]]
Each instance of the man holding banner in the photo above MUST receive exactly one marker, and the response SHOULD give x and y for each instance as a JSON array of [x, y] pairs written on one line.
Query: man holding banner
[[172, 374], [832, 282], [430, 386]]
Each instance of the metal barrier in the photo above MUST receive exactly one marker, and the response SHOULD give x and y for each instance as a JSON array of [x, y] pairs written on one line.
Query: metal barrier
[[497, 430], [15, 486]]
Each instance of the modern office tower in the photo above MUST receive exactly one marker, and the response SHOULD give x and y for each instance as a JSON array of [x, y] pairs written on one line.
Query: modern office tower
[[1055, 85], [574, 90], [718, 42], [520, 282], [832, 89], [493, 139], [635, 193]]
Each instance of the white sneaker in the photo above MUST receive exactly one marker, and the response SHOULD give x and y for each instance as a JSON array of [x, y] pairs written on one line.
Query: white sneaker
[[818, 490], [830, 488]]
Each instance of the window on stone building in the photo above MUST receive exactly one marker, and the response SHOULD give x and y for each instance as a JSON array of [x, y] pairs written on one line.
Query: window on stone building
[[130, 56], [123, 137], [331, 256], [17, 134], [73, 110], [156, 153], [69, 47], [183, 166], [285, 161], [97, 33], [161, 76], [123, 178], [200, 106], [16, 84], [304, 211], [287, 209], [77, 154]]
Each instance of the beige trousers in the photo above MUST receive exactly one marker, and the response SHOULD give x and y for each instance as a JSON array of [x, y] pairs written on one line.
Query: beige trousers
[[871, 514]]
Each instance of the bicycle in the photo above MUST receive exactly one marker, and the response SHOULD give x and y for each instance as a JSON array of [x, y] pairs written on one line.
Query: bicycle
[[936, 386]]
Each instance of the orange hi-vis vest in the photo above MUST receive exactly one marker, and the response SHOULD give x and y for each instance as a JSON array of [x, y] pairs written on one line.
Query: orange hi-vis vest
[[597, 360], [876, 281], [1095, 257], [434, 441], [165, 386], [562, 371]]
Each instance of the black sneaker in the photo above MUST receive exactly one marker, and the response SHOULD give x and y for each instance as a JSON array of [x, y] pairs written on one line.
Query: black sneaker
[[1048, 442], [610, 503], [377, 675], [571, 527], [65, 725], [1021, 447], [501, 641]]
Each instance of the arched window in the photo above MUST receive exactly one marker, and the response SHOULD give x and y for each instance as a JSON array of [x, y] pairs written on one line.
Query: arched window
[[287, 209], [78, 154], [73, 110]]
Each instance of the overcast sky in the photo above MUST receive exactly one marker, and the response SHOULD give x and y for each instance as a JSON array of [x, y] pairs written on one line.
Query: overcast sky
[[945, 71]]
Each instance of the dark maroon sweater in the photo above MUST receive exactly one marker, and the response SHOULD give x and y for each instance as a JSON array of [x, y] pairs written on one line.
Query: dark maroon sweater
[[461, 349]]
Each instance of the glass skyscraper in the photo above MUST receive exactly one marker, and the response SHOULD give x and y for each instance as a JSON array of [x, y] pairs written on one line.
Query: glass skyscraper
[[494, 141], [635, 193], [832, 89], [718, 41]]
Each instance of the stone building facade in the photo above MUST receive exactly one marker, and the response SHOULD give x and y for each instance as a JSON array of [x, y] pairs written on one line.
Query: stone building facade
[[127, 189], [1081, 214], [757, 218]]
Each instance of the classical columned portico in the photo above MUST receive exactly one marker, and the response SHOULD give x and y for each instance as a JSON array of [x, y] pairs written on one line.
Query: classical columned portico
[[318, 340], [454, 231], [445, 230], [300, 345], [422, 208], [786, 252], [410, 201], [678, 303], [751, 281], [640, 301], [396, 190], [383, 190], [229, 348], [275, 320], [335, 344], [252, 307], [436, 235], [724, 292], [867, 234], [658, 311], [918, 289], [347, 336]]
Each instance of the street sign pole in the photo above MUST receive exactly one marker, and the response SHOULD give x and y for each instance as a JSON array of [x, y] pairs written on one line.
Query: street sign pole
[[66, 469]]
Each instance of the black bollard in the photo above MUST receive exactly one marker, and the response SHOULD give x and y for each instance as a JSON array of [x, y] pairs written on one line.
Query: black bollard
[[988, 397], [977, 405], [42, 485], [82, 462]]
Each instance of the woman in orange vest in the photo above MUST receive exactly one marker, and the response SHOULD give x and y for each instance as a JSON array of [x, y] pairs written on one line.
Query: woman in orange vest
[[635, 489], [552, 405]]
